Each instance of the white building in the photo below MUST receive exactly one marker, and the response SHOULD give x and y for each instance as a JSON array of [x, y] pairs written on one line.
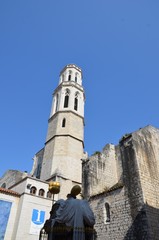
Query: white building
[[24, 209]]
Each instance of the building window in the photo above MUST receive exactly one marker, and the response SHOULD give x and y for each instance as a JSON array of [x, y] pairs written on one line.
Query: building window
[[63, 78], [49, 194], [107, 211], [64, 122], [66, 101], [33, 190], [3, 185], [69, 76], [41, 192], [76, 102]]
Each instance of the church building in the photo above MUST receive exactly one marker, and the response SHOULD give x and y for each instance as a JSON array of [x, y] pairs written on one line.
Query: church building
[[26, 197], [120, 182]]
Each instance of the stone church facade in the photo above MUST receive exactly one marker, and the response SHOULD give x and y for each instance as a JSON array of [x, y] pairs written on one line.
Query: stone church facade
[[120, 182]]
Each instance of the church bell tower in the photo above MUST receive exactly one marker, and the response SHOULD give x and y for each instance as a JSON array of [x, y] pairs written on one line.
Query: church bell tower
[[64, 142]]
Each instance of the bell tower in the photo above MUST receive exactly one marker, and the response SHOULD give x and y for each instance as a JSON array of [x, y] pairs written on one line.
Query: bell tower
[[64, 142]]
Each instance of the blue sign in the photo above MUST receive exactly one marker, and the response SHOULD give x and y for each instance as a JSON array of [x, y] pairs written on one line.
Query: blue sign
[[5, 208], [38, 217]]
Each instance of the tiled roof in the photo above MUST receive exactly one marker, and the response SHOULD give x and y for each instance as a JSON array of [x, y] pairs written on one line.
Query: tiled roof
[[9, 192]]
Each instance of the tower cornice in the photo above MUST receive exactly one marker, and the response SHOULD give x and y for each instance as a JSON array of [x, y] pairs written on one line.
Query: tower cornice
[[71, 66], [68, 111], [68, 84], [64, 135]]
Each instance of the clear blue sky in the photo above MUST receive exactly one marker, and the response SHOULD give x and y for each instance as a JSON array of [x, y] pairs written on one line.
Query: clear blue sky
[[116, 43]]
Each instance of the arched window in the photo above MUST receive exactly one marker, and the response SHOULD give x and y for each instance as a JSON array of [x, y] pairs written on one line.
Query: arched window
[[49, 194], [3, 185], [41, 192], [64, 122], [107, 211], [76, 101], [69, 76], [63, 78], [66, 101], [33, 190], [57, 100]]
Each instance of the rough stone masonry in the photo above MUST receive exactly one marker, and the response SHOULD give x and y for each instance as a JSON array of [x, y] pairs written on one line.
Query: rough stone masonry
[[122, 186]]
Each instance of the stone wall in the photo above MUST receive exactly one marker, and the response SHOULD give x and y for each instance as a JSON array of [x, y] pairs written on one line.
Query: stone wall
[[146, 146], [11, 177], [37, 164], [133, 190], [120, 217], [128, 184], [101, 171]]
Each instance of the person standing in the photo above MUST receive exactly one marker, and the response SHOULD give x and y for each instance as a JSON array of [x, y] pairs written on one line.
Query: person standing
[[78, 217]]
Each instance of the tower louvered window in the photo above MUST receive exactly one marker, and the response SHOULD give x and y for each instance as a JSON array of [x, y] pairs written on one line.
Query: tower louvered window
[[66, 101], [69, 76]]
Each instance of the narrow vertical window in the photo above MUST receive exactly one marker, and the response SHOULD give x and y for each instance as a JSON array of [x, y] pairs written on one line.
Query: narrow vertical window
[[69, 76], [64, 122], [66, 100], [107, 210], [76, 102]]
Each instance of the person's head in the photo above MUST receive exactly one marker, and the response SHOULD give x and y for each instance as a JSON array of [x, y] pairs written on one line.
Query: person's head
[[75, 191]]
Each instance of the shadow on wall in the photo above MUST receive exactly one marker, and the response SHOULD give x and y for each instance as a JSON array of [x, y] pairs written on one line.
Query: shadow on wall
[[145, 225]]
